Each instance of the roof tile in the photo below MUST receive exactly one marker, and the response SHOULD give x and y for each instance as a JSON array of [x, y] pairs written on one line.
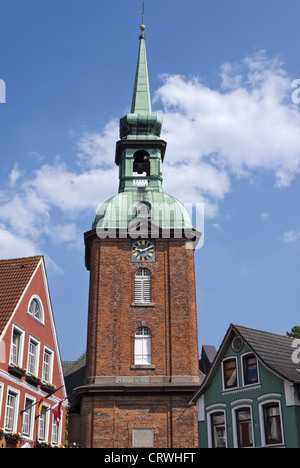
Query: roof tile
[[14, 276]]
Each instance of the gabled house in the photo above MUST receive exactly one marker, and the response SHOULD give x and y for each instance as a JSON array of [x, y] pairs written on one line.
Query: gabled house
[[32, 393], [251, 395]]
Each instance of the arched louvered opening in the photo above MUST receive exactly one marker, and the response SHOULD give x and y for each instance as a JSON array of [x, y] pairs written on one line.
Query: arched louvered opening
[[142, 286]]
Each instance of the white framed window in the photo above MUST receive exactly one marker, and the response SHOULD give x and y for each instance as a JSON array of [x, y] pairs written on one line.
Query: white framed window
[[142, 286], [11, 411], [28, 418], [142, 347], [55, 432], [230, 373], [250, 369], [1, 397], [43, 423], [243, 427], [16, 349], [271, 423], [35, 309], [33, 356], [47, 365], [218, 432]]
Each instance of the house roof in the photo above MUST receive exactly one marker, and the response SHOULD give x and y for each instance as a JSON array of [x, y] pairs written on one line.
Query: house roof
[[208, 355], [273, 350], [70, 367], [210, 352], [14, 277], [74, 374]]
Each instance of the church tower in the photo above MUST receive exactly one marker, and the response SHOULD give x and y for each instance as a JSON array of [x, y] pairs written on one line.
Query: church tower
[[142, 352]]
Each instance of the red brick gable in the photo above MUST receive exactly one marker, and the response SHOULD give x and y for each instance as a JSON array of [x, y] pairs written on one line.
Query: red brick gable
[[14, 277]]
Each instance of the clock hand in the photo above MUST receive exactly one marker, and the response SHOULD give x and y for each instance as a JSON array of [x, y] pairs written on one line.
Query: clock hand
[[144, 250]]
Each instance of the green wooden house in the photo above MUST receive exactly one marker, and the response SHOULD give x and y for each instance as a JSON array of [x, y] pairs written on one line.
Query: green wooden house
[[251, 395]]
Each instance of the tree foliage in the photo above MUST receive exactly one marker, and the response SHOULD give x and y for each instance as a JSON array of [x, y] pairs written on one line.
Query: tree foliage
[[295, 332]]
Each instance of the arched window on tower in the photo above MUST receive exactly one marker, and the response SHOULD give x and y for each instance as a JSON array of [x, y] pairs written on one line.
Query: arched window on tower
[[141, 168], [141, 163], [142, 286], [142, 346]]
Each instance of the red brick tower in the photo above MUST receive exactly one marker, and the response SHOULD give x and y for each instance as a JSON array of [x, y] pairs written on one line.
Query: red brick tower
[[142, 351]]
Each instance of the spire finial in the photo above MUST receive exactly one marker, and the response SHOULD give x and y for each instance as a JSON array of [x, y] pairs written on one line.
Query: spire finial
[[143, 27]]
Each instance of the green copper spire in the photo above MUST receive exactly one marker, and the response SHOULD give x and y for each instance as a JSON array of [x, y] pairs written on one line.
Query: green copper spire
[[141, 123], [141, 100], [139, 154]]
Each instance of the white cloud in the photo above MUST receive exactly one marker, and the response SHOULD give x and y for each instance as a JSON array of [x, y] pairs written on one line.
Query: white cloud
[[73, 191], [291, 236], [97, 149], [14, 246], [264, 216], [249, 124], [14, 175], [200, 182], [66, 233], [51, 202], [231, 79]]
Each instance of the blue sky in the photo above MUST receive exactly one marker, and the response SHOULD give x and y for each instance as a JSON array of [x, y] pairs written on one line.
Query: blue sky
[[221, 76]]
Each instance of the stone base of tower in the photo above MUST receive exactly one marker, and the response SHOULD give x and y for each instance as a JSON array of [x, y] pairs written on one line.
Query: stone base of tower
[[138, 417]]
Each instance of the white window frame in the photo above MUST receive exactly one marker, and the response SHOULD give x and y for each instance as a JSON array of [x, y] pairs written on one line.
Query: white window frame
[[243, 356], [230, 358], [36, 342], [47, 417], [143, 347], [234, 423], [50, 352], [55, 429], [21, 333], [210, 432], [142, 286], [1, 396], [262, 422], [36, 298], [31, 417], [16, 394]]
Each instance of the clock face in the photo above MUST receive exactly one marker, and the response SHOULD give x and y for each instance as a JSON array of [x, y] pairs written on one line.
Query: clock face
[[143, 250]]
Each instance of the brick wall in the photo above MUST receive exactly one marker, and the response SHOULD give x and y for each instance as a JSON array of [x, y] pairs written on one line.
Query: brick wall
[[113, 320], [109, 420]]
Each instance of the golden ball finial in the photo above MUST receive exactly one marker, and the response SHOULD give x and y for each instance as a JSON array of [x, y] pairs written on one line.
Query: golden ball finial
[[143, 27]]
